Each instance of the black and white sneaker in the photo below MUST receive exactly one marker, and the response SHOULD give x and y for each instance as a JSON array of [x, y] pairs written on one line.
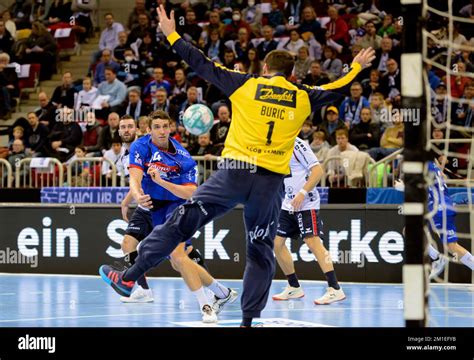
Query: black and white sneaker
[[219, 303]]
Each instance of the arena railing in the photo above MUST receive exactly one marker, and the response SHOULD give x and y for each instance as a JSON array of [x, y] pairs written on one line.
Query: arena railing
[[206, 166], [338, 160], [87, 172], [392, 160], [45, 172], [6, 173]]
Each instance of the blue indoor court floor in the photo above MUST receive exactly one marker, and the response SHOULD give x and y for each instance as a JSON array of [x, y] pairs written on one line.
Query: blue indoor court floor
[[86, 301]]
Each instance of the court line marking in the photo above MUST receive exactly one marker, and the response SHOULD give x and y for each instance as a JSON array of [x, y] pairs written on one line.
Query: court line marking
[[396, 285], [320, 309]]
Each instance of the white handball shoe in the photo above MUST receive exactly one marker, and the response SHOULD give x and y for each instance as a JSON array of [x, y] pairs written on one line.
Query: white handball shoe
[[437, 267], [331, 295], [209, 316], [219, 303], [289, 293], [139, 295]]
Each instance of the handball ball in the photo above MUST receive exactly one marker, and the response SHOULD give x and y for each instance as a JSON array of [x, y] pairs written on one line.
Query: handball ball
[[198, 119]]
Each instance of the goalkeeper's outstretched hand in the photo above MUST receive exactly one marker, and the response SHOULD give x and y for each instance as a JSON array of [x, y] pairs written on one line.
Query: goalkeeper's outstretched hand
[[167, 24], [365, 57]]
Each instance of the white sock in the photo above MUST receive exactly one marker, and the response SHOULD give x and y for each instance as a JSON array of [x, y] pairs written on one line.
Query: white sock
[[219, 290], [468, 260], [201, 297], [432, 252]]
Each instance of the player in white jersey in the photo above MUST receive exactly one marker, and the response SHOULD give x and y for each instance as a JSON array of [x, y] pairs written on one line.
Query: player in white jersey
[[300, 217]]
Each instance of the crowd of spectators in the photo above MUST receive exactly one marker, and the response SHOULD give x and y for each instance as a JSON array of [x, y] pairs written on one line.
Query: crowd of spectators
[[134, 71]]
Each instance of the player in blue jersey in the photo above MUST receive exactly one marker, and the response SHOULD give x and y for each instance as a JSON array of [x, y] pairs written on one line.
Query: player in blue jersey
[[162, 176], [443, 222]]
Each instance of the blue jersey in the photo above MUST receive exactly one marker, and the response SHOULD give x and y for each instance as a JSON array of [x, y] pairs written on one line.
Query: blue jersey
[[175, 165], [438, 192]]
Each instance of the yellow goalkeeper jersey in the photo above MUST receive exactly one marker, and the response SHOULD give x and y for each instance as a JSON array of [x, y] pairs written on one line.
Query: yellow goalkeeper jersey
[[267, 112]]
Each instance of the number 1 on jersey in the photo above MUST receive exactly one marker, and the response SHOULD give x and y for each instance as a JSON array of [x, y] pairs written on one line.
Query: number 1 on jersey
[[270, 132]]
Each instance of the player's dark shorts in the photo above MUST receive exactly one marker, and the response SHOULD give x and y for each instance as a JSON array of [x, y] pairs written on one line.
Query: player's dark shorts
[[142, 221], [445, 228], [304, 224]]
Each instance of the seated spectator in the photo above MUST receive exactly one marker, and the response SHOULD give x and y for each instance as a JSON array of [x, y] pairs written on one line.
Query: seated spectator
[[315, 77], [276, 19], [268, 44], [370, 39], [254, 63], [108, 133], [181, 86], [307, 131], [320, 146], [331, 66], [153, 54], [114, 154], [379, 110], [309, 25], [9, 23], [232, 29], [203, 146], [59, 11], [16, 154], [64, 95], [8, 85], [139, 9], [440, 103], [294, 43], [337, 28], [215, 23], [335, 170], [190, 31], [352, 106], [161, 102], [383, 54], [143, 126], [252, 15], [91, 134], [109, 36], [331, 123], [229, 59], [365, 135], [18, 134], [174, 131], [390, 84], [118, 53], [36, 136], [64, 137], [158, 82], [392, 139], [6, 39], [464, 112], [135, 107], [458, 82], [220, 130], [82, 12], [138, 31], [47, 111], [41, 48], [106, 62], [86, 96], [214, 48], [302, 63], [131, 72], [241, 45], [115, 90], [81, 175], [387, 28], [371, 85]]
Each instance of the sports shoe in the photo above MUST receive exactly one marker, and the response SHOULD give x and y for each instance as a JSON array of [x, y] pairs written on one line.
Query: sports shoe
[[219, 303], [209, 316], [114, 279], [139, 295], [289, 293], [437, 267], [331, 295]]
